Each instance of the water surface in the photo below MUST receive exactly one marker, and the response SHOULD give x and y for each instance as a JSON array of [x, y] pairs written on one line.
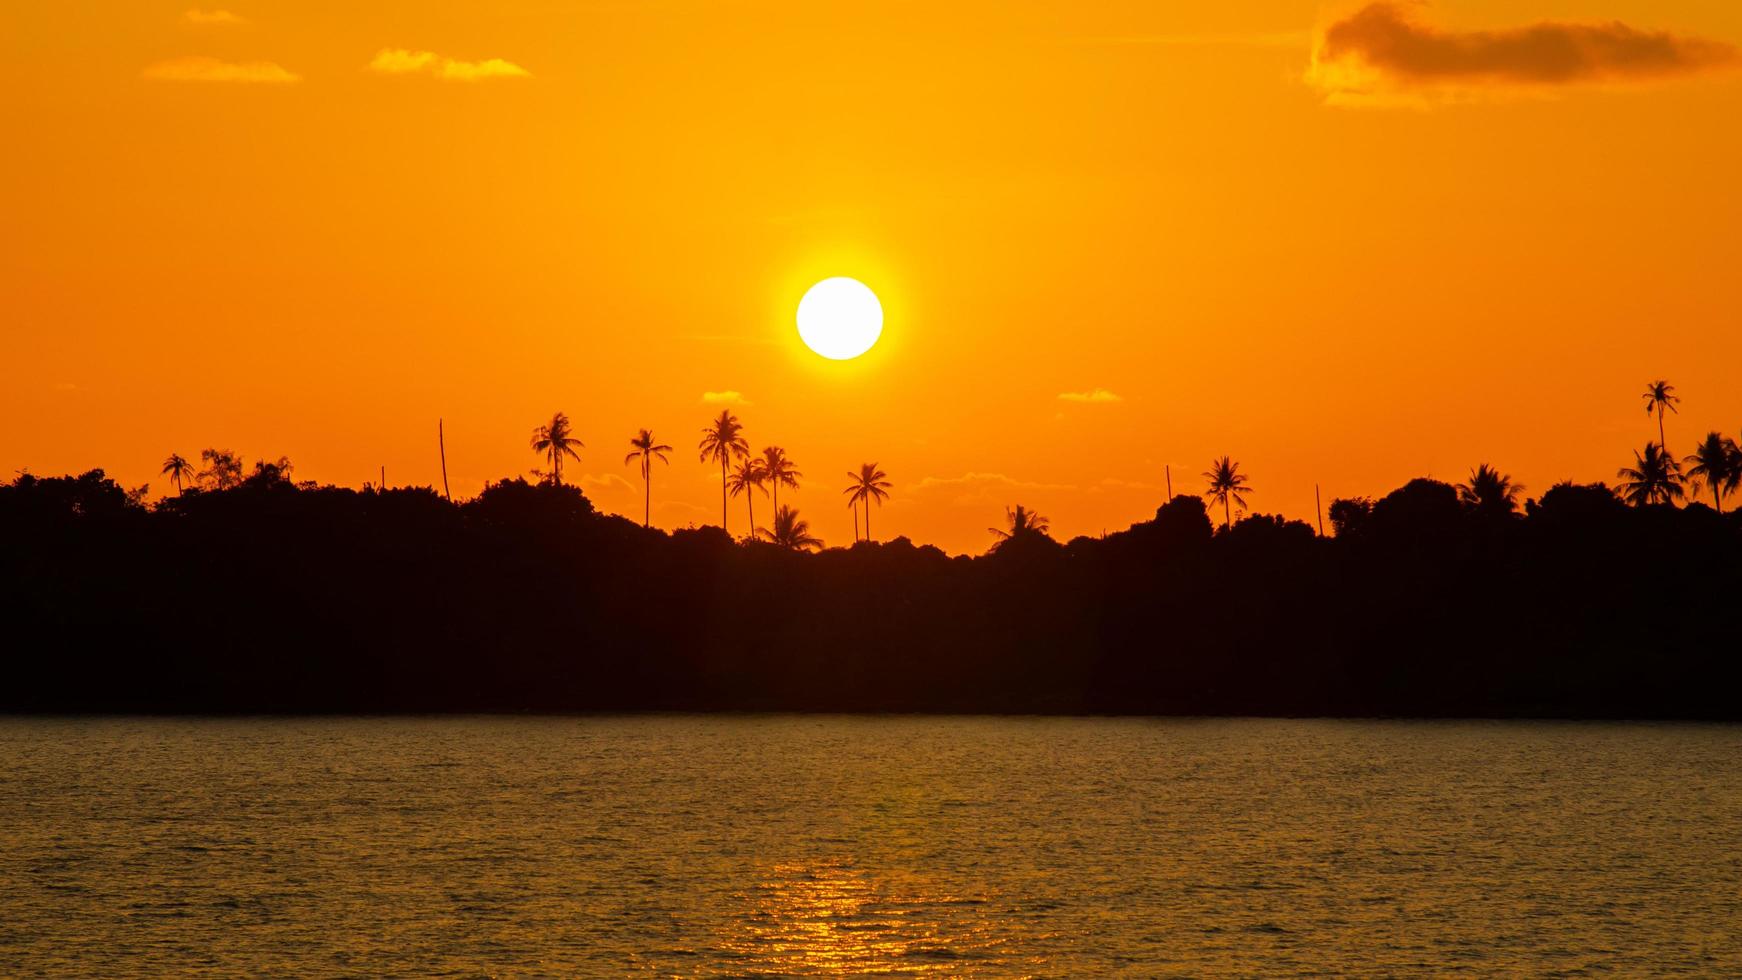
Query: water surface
[[714, 847]]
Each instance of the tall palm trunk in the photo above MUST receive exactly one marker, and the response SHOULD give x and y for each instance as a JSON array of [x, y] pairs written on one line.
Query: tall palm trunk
[[647, 491], [856, 521], [723, 525], [867, 520], [1660, 443], [750, 499], [1227, 514], [1716, 498]]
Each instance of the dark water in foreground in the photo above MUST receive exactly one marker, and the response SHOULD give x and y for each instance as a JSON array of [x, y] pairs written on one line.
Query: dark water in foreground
[[843, 846]]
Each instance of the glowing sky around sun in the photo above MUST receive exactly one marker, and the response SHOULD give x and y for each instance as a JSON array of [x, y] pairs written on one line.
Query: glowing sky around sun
[[1107, 239]]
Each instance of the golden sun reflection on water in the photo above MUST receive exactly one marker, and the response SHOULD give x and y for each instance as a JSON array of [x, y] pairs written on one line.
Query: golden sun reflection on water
[[831, 918]]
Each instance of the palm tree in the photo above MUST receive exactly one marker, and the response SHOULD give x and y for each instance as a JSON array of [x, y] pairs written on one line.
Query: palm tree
[[1227, 484], [748, 477], [1735, 479], [556, 440], [1653, 479], [177, 469], [646, 450], [1490, 490], [791, 532], [1658, 396], [779, 471], [1019, 523], [723, 440], [870, 485], [1716, 462]]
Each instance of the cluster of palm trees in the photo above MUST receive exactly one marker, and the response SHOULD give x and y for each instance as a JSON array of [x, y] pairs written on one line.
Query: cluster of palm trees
[[1656, 477], [743, 473]]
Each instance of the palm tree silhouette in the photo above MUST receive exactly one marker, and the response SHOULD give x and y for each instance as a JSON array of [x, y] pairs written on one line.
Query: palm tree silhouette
[[779, 471], [1716, 462], [1227, 484], [751, 475], [556, 441], [791, 532], [646, 450], [1658, 396], [177, 469], [1654, 478], [723, 441], [1490, 490], [1019, 523], [870, 485]]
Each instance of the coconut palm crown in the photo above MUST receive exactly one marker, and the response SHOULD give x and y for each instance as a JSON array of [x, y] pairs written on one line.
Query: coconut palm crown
[[179, 470], [1490, 491], [646, 450], [556, 440], [779, 471], [749, 476], [790, 531], [869, 485], [722, 442], [1658, 396], [1227, 485], [1654, 478], [1717, 463]]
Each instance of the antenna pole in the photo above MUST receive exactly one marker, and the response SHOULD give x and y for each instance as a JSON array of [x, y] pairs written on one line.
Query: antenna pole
[[1321, 508], [442, 442]]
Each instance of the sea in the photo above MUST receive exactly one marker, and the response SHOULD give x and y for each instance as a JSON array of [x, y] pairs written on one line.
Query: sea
[[801, 846]]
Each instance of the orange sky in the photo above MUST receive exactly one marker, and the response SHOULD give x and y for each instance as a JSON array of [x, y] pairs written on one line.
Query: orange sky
[[279, 250]]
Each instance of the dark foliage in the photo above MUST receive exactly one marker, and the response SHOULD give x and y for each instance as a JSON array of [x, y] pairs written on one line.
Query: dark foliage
[[281, 597]]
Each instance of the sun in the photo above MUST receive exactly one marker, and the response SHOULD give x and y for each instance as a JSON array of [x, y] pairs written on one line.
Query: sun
[[840, 318]]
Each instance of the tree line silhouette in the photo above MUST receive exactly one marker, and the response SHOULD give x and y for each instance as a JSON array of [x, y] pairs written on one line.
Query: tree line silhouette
[[248, 591]]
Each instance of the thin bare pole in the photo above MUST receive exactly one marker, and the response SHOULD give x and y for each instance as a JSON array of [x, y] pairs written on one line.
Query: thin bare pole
[[1321, 508], [442, 441], [1169, 470], [384, 477]]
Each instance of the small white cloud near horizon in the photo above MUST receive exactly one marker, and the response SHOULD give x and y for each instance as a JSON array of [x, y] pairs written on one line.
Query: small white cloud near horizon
[[404, 61], [202, 69], [607, 481], [724, 398], [1095, 396], [203, 17]]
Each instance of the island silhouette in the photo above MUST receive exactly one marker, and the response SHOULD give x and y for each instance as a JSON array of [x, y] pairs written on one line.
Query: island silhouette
[[246, 591]]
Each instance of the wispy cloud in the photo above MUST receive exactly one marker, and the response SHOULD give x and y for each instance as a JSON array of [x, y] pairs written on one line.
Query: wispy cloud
[[1114, 483], [1380, 51], [471, 71], [201, 69], [605, 481], [981, 488], [204, 17], [1275, 39], [1095, 396], [403, 61], [724, 398]]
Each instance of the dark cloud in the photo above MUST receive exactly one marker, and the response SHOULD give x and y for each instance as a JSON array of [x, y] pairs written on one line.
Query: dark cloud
[[1382, 45]]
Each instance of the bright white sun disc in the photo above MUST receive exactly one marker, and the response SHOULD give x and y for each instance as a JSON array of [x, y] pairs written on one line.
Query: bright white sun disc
[[840, 318]]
